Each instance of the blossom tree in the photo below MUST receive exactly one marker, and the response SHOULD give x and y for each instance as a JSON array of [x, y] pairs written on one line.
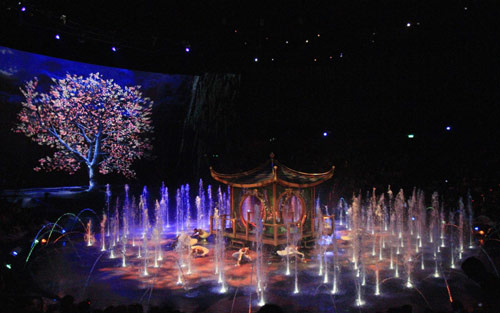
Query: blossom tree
[[87, 120]]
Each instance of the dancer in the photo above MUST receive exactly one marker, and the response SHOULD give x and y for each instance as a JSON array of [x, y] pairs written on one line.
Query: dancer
[[199, 251], [291, 250], [200, 233], [242, 255]]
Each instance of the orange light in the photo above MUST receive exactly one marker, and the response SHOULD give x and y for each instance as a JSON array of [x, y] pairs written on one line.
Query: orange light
[[44, 241], [481, 232]]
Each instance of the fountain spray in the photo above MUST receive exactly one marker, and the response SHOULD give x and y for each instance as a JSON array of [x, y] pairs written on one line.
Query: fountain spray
[[470, 216], [103, 230], [108, 197]]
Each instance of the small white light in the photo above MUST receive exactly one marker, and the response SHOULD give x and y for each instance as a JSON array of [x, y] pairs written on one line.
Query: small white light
[[256, 60], [408, 24], [448, 128]]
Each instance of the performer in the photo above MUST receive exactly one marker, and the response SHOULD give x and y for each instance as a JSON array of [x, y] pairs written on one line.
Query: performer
[[291, 250], [242, 255], [200, 233], [183, 240], [199, 251]]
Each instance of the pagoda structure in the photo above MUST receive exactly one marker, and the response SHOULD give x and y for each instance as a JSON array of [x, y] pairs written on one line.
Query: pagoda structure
[[282, 198]]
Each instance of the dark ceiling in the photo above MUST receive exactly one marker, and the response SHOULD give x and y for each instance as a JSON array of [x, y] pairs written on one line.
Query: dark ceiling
[[227, 36]]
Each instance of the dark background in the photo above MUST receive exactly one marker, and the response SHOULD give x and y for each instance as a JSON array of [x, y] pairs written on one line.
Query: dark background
[[368, 80]]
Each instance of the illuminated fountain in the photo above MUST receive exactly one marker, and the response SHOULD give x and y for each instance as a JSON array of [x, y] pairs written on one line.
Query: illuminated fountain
[[383, 238]]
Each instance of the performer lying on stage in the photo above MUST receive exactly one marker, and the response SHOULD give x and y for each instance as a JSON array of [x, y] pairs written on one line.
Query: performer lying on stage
[[242, 255], [199, 251], [291, 250]]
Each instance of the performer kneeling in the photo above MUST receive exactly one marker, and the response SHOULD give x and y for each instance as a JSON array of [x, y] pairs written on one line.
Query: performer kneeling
[[242, 255]]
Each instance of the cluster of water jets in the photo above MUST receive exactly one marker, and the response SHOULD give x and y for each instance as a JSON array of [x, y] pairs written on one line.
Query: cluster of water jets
[[131, 224], [398, 237], [395, 235]]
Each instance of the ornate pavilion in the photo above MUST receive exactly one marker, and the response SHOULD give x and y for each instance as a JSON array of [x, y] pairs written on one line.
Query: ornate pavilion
[[284, 198]]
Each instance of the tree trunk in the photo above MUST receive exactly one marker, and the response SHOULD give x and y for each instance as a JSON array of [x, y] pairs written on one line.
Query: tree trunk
[[92, 178]]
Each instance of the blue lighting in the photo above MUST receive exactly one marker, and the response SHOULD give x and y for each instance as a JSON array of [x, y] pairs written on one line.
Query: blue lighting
[[64, 243], [476, 228], [23, 9], [187, 49], [113, 49], [448, 128], [256, 60], [14, 253], [57, 36], [413, 218], [325, 134], [63, 231]]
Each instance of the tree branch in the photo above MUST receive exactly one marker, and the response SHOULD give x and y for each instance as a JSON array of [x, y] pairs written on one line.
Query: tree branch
[[82, 129], [54, 133]]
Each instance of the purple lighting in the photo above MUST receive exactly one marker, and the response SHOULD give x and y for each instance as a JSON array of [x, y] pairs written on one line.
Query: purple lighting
[[187, 49], [23, 9], [113, 49], [57, 36]]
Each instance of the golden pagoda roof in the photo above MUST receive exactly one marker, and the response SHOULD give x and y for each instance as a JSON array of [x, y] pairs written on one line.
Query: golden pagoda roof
[[271, 172]]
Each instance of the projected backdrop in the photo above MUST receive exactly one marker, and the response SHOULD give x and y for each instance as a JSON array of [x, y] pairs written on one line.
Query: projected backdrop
[[168, 93]]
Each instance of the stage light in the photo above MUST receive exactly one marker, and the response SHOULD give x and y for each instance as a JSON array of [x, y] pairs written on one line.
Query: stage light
[[318, 35], [63, 231], [57, 36], [8, 266], [481, 232], [256, 60], [448, 128], [44, 241], [23, 9], [408, 24], [325, 134], [413, 218], [14, 253], [286, 42], [113, 49], [187, 49], [476, 228], [411, 136]]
